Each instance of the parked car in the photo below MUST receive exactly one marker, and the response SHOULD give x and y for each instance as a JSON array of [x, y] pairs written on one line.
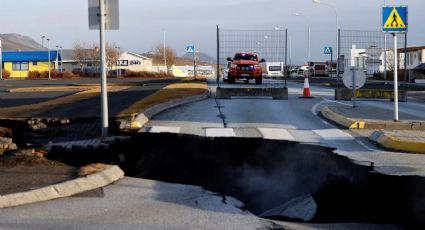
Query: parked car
[[226, 70]]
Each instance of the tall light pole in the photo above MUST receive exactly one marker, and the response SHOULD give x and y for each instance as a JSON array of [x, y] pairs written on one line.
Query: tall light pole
[[309, 33], [318, 2], [61, 49], [164, 53], [118, 59], [42, 40], [48, 54], [57, 57]]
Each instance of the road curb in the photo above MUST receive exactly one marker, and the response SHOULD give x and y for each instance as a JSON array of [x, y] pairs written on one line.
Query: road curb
[[342, 120], [65, 189], [143, 117], [350, 123], [390, 142]]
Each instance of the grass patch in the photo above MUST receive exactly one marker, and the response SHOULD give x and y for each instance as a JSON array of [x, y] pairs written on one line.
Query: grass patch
[[194, 80], [168, 93]]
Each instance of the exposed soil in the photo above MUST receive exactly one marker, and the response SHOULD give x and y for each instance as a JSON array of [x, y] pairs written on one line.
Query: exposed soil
[[24, 173]]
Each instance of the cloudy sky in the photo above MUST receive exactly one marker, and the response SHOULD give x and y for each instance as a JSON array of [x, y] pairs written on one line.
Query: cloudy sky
[[194, 21]]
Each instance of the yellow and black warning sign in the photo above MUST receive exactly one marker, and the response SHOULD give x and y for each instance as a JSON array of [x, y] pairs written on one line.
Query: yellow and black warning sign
[[394, 19]]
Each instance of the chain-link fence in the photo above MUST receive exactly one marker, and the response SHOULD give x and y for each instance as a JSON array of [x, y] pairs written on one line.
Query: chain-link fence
[[268, 44], [372, 51]]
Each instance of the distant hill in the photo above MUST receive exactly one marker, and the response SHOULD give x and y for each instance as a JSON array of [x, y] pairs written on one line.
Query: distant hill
[[17, 42], [202, 57]]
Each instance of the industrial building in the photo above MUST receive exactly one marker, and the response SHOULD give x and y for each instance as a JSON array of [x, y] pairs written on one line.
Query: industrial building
[[20, 63]]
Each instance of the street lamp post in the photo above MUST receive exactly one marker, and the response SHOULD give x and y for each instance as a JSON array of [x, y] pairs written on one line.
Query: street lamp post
[[318, 2], [57, 58], [309, 34], [48, 54], [61, 49], [118, 60], [42, 40], [164, 53]]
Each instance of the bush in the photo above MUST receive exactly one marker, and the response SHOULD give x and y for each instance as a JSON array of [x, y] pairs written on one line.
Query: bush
[[145, 74], [6, 74], [53, 74]]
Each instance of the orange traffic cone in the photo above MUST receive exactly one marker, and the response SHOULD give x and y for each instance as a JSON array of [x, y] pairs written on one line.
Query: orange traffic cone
[[306, 93]]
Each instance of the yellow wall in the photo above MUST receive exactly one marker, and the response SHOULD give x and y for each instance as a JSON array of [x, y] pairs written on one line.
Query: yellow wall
[[41, 66]]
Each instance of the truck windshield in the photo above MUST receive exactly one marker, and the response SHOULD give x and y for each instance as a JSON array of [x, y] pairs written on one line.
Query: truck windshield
[[246, 57]]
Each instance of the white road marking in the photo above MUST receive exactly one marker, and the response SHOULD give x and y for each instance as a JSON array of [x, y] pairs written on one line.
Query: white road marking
[[365, 146], [164, 129], [333, 134], [220, 132], [276, 134]]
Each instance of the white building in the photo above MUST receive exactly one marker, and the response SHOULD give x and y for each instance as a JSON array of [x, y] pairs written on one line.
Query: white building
[[415, 56], [134, 62]]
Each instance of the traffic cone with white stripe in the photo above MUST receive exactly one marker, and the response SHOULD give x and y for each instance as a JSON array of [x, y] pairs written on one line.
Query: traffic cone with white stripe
[[306, 92]]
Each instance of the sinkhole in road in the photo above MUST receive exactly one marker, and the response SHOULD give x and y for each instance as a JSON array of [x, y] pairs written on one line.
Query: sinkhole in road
[[266, 174]]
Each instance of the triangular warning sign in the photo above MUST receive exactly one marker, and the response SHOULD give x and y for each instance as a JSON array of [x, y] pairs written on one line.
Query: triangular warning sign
[[394, 21]]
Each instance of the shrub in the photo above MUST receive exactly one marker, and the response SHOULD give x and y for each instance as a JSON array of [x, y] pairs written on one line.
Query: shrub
[[145, 74], [6, 74]]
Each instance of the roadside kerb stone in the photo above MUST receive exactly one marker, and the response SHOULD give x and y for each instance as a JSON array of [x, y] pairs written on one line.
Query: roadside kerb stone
[[394, 142], [143, 117], [65, 189], [333, 114]]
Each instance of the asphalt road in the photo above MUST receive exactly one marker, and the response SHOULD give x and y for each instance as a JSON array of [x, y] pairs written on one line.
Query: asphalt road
[[295, 119], [118, 101]]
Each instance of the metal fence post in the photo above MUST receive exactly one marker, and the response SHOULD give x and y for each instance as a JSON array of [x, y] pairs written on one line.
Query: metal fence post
[[286, 57], [218, 56], [337, 58]]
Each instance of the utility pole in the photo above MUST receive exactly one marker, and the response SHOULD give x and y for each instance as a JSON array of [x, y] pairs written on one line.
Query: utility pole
[[164, 53], [48, 53]]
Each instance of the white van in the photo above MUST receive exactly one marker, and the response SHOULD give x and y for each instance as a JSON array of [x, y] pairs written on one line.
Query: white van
[[274, 69]]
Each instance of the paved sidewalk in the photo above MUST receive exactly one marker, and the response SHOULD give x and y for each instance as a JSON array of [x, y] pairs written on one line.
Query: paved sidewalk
[[408, 135]]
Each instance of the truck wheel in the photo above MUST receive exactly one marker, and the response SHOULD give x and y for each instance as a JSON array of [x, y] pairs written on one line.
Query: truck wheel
[[259, 81], [231, 80]]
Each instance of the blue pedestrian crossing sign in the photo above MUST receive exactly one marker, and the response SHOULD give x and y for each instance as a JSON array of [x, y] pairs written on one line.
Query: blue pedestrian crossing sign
[[328, 50], [394, 19], [190, 49]]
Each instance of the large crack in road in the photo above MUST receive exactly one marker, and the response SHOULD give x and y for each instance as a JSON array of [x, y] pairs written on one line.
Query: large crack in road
[[266, 175]]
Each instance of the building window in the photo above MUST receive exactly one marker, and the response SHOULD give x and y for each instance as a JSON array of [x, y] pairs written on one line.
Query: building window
[[420, 57], [20, 66], [16, 66], [34, 63], [25, 66]]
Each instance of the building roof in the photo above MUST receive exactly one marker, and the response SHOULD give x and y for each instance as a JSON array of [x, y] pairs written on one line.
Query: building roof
[[136, 55], [26, 56], [411, 49]]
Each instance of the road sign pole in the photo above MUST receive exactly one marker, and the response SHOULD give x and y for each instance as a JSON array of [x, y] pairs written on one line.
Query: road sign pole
[[395, 79], [332, 64], [194, 64], [104, 92]]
